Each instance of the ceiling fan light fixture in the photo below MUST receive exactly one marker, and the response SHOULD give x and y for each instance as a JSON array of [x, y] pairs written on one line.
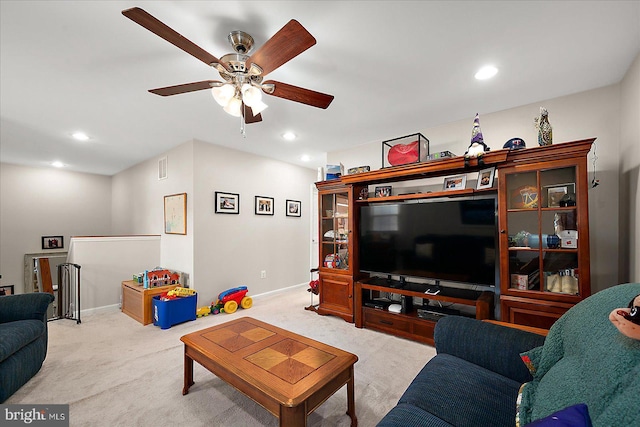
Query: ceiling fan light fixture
[[233, 107], [268, 88], [223, 94], [251, 95], [258, 107], [254, 70]]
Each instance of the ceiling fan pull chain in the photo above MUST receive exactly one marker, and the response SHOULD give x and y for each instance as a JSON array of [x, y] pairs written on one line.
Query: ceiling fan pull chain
[[242, 126]]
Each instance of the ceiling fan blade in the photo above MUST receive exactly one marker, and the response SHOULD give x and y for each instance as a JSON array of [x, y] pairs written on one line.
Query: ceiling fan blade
[[247, 113], [298, 94], [286, 44], [152, 24], [183, 88]]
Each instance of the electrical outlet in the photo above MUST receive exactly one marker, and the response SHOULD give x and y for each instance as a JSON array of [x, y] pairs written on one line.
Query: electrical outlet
[[263, 274]]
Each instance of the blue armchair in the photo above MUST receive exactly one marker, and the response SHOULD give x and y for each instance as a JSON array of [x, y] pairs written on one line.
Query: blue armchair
[[23, 339]]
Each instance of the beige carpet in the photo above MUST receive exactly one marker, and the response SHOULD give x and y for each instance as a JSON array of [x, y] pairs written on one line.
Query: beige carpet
[[115, 372]]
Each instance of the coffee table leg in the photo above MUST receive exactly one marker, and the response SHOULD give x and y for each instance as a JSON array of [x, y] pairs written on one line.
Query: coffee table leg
[[295, 416], [351, 404], [188, 372]]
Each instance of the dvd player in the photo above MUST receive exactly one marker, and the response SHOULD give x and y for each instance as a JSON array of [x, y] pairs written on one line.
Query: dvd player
[[377, 304]]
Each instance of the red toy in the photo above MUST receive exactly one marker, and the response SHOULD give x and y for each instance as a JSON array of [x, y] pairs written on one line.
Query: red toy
[[229, 300]]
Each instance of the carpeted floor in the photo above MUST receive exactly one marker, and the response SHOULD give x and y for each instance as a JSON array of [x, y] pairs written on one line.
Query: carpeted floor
[[113, 371]]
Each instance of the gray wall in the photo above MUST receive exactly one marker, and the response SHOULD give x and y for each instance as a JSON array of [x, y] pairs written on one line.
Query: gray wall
[[630, 173], [221, 251], [36, 202], [595, 113]]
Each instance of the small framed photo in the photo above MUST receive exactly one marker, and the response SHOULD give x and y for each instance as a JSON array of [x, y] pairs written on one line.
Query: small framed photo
[[556, 192], [227, 203], [264, 205], [384, 191], [294, 208], [52, 242], [457, 182], [175, 214], [485, 178], [7, 290]]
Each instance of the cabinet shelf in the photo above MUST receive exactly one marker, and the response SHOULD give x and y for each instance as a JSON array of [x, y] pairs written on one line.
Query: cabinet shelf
[[552, 209], [426, 169], [529, 249], [428, 195]]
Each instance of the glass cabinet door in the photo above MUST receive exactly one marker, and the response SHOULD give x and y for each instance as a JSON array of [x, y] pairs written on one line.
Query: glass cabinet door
[[335, 231], [542, 231]]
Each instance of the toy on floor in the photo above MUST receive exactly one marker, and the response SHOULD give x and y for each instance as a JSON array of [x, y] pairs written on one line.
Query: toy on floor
[[229, 300], [477, 148], [203, 311], [627, 320]]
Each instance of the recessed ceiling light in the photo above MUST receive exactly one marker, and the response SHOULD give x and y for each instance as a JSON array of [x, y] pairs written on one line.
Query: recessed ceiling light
[[57, 164], [289, 136], [80, 136], [486, 72], [305, 158]]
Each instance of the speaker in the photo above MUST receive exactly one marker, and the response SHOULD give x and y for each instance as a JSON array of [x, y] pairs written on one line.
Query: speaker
[[407, 304]]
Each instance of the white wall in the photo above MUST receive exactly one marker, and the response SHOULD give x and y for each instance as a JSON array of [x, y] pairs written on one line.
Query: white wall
[[138, 204], [594, 113], [630, 170], [224, 250], [107, 261], [36, 202]]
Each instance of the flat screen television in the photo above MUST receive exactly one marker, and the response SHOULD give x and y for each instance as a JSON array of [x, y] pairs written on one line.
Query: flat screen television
[[444, 239]]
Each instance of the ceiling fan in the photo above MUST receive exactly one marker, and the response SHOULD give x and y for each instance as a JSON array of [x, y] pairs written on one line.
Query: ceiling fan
[[243, 74]]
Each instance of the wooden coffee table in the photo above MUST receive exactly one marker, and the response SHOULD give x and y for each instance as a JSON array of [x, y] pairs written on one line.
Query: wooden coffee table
[[288, 374]]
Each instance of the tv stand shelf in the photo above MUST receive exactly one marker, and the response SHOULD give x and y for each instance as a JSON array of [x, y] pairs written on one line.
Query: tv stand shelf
[[409, 325]]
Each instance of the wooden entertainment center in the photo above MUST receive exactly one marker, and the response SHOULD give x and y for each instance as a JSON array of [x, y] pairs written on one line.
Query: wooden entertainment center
[[542, 237]]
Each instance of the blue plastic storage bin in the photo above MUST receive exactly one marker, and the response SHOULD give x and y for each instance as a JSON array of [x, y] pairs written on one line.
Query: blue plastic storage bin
[[169, 313]]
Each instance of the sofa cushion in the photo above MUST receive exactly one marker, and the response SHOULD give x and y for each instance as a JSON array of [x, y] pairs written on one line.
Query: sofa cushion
[[405, 415], [15, 335], [463, 394], [586, 360]]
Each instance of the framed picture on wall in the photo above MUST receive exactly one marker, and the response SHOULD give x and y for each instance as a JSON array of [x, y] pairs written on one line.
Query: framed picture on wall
[[294, 208], [7, 290], [227, 203], [52, 242], [175, 213], [264, 205]]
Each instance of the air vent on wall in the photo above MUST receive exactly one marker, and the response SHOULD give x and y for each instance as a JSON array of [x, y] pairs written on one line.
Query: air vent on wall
[[162, 168]]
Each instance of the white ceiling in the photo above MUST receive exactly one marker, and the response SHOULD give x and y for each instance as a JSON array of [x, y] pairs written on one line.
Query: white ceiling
[[395, 68]]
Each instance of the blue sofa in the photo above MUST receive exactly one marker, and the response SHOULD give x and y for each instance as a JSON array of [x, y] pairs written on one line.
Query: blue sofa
[[478, 377], [23, 339]]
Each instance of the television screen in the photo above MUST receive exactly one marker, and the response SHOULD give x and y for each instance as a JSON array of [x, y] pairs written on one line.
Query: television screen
[[450, 240]]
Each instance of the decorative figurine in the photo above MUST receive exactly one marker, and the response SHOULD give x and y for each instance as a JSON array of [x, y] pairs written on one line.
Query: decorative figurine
[[545, 131], [477, 147]]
